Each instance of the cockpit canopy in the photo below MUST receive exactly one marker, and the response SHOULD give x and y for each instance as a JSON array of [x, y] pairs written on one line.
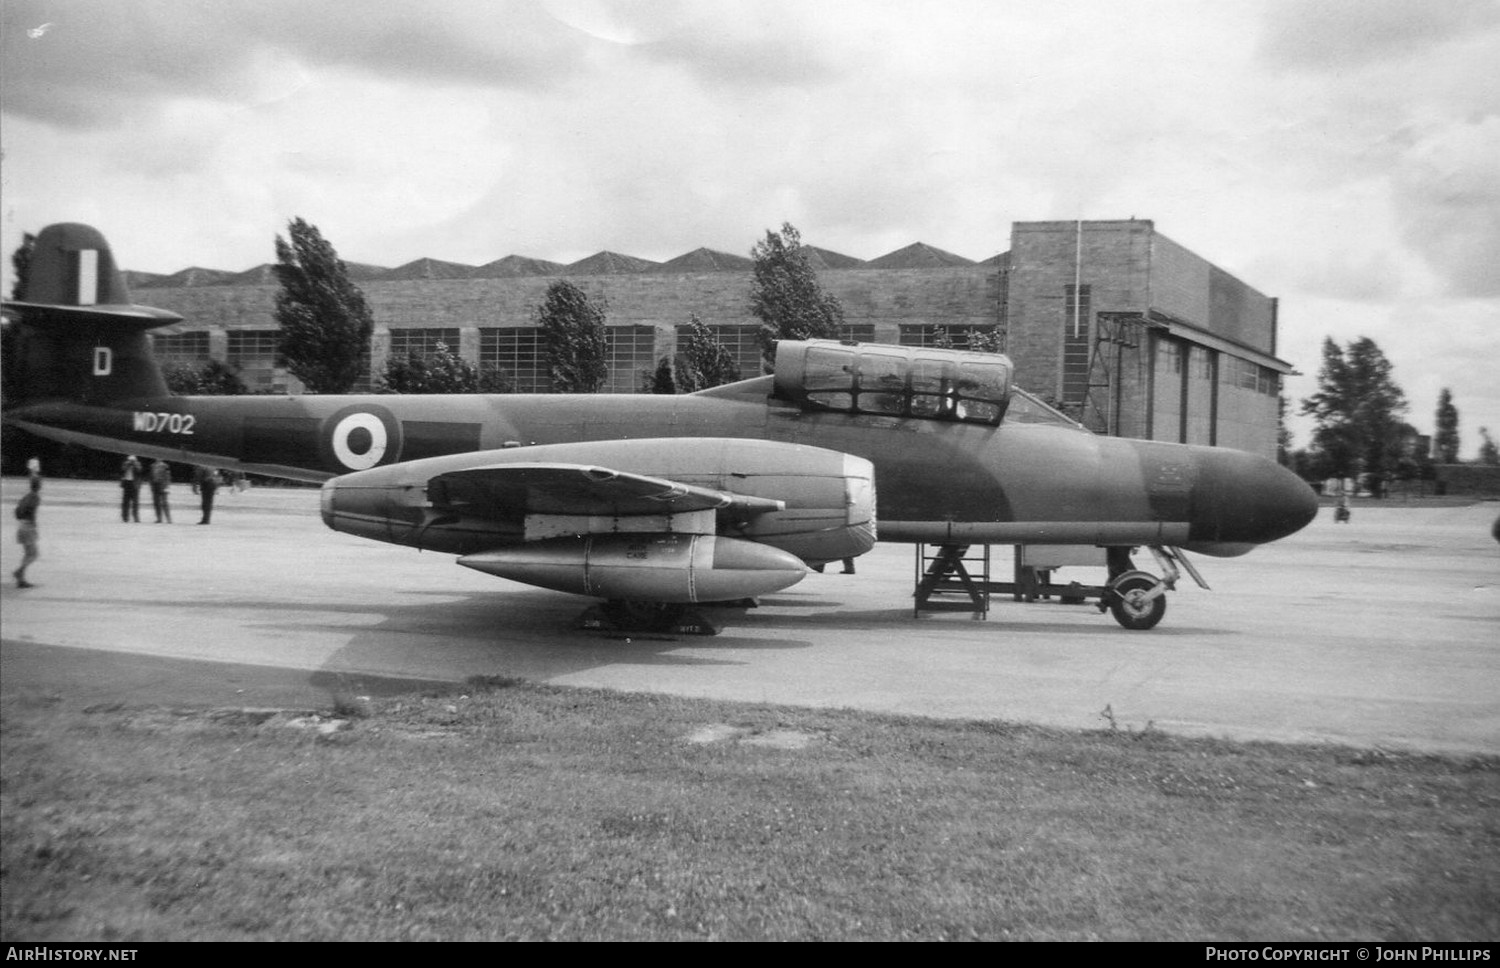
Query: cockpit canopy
[[898, 381]]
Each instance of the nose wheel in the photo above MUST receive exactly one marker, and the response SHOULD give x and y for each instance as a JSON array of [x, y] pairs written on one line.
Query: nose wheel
[[1137, 600]]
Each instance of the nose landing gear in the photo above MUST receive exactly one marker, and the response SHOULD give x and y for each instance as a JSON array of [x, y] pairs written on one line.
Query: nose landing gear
[[1138, 599]]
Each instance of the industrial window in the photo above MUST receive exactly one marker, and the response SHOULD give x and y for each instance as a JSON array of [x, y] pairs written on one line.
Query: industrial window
[[422, 342], [742, 342], [1248, 375], [189, 348], [943, 337], [1077, 323], [632, 349], [1168, 356], [858, 332], [517, 352], [1201, 359], [252, 347]]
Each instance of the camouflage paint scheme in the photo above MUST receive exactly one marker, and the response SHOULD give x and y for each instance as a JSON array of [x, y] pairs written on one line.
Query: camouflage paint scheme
[[1025, 479]]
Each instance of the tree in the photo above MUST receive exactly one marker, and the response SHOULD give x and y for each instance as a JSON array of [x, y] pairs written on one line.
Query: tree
[[973, 339], [441, 371], [1488, 452], [1355, 412], [212, 379], [1412, 461], [573, 340], [1445, 441], [661, 380], [1283, 432], [325, 323], [20, 261], [785, 295], [703, 361]]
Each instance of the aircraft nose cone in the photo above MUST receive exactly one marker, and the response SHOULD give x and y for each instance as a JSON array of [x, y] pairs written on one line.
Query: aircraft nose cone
[[1241, 500]]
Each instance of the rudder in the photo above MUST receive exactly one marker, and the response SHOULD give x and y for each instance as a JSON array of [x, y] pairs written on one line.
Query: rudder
[[76, 336]]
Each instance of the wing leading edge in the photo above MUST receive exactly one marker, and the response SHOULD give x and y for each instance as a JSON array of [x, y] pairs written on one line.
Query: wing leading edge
[[580, 489]]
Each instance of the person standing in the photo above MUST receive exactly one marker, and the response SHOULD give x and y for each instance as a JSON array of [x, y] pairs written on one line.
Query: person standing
[[26, 530], [161, 482], [205, 483], [130, 490]]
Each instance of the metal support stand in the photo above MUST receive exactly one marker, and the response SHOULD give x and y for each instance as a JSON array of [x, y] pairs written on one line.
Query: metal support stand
[[953, 570], [1134, 597]]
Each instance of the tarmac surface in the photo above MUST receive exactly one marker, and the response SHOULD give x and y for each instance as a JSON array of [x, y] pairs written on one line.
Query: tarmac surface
[[1384, 632]]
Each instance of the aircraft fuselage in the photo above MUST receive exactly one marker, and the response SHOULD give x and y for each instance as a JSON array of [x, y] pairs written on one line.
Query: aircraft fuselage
[[937, 481]]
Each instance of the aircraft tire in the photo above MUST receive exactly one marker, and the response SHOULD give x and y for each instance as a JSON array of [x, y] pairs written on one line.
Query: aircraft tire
[[1130, 605]]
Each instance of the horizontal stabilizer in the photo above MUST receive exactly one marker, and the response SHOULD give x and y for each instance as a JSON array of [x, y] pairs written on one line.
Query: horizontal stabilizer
[[72, 319], [74, 335]]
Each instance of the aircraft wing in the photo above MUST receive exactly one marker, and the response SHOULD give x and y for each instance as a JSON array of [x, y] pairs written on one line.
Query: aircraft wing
[[580, 489]]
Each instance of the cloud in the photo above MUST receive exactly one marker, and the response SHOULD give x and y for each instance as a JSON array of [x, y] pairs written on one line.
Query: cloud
[[740, 46], [1343, 274], [1332, 35], [1448, 205], [105, 64]]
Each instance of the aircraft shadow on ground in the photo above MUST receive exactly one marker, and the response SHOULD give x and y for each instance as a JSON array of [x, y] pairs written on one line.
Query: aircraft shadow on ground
[[531, 634], [528, 633], [1007, 618]]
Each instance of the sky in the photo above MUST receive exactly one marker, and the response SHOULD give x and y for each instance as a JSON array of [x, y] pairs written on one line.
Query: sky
[[1341, 155]]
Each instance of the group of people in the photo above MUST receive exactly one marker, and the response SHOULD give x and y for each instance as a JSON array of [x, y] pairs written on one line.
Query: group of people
[[206, 481]]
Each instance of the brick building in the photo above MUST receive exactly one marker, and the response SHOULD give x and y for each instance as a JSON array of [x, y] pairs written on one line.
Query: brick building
[[1125, 329]]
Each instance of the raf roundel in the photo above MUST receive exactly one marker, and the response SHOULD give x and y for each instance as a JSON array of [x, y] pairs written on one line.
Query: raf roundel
[[359, 438]]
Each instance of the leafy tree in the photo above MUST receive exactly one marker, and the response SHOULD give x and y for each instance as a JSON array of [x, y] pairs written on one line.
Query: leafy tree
[[20, 261], [703, 361], [660, 380], [1304, 463], [975, 339], [785, 294], [325, 323], [1445, 441], [1283, 432], [573, 340], [1488, 452], [13, 440], [1412, 461], [1355, 412], [441, 371], [212, 379]]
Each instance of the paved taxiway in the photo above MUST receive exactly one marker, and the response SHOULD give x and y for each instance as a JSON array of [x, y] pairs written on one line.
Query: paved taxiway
[[1383, 632]]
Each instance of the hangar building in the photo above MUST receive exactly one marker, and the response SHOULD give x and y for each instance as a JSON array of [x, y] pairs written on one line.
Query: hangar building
[[1121, 327]]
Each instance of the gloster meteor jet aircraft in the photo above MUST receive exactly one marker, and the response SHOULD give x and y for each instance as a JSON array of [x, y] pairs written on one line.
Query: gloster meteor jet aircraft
[[652, 502]]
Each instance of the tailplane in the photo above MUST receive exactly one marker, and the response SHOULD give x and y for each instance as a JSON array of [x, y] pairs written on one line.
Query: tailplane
[[76, 336]]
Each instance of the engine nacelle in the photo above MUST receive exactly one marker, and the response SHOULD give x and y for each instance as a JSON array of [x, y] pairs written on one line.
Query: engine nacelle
[[646, 567], [773, 507]]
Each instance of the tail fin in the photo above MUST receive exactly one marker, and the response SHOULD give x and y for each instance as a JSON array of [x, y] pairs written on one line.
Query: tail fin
[[76, 336]]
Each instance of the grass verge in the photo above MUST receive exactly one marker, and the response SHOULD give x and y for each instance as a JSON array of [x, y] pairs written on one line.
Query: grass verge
[[517, 811]]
